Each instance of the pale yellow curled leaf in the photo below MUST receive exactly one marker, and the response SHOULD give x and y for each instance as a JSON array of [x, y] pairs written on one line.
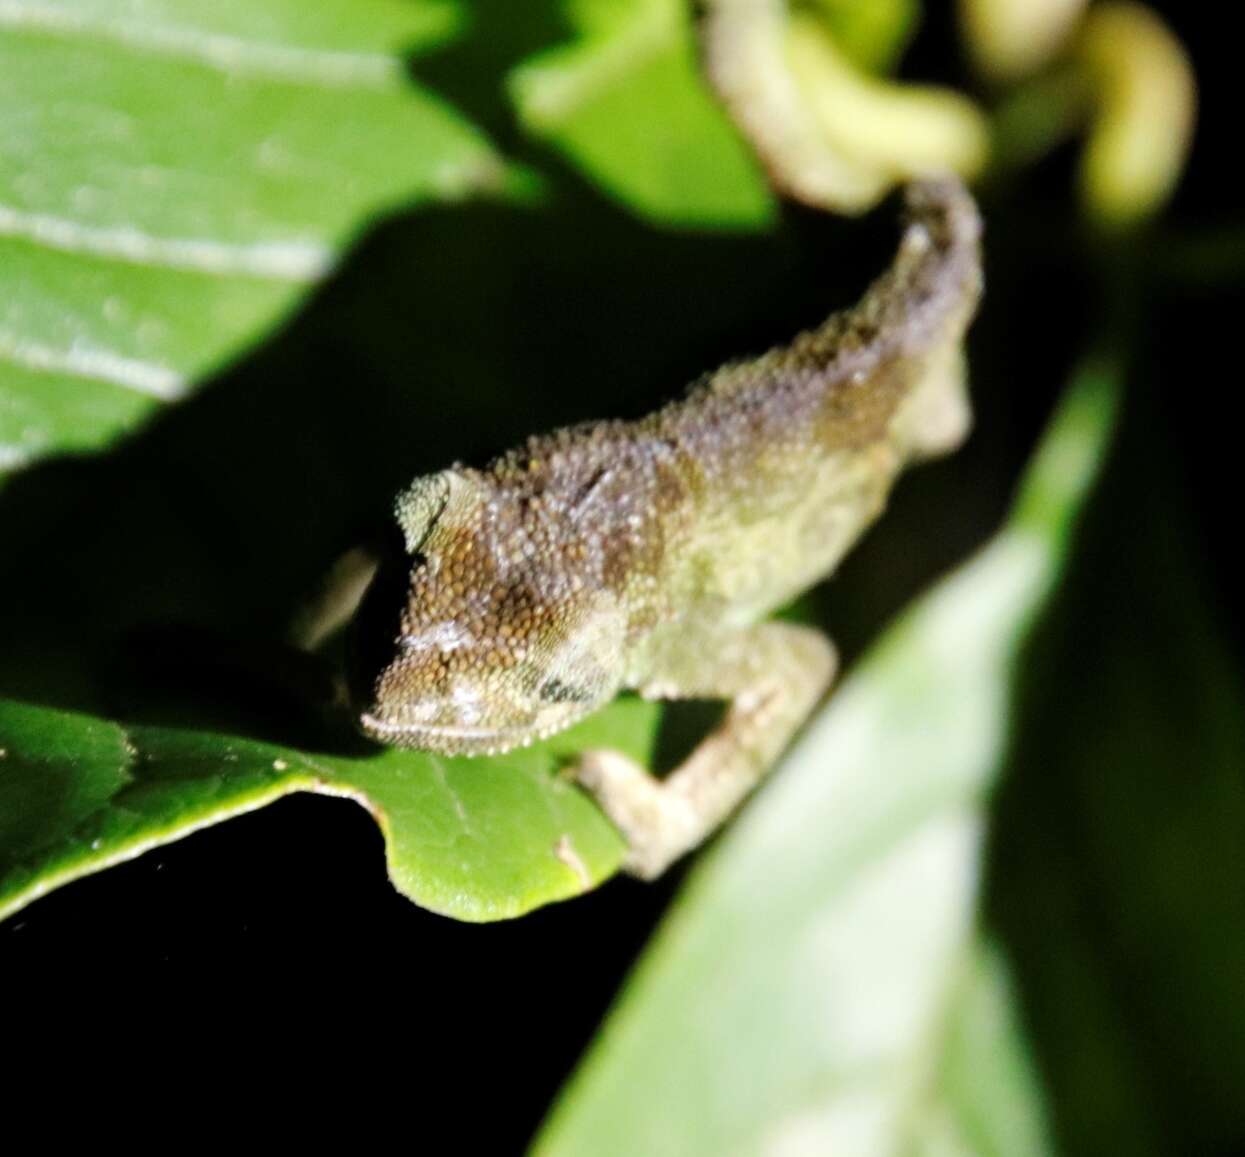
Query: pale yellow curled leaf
[[1010, 39], [1146, 95], [829, 133], [901, 130], [746, 53]]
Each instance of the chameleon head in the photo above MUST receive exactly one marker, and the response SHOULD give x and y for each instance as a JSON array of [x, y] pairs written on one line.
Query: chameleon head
[[483, 636]]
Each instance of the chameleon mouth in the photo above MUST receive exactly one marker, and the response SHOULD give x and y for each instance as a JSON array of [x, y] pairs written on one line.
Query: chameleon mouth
[[455, 740]]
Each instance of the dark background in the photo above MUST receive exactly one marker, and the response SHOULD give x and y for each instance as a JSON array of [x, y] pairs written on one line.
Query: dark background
[[283, 919]]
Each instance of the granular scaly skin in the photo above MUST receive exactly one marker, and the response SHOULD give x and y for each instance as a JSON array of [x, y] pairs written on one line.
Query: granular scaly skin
[[645, 554]]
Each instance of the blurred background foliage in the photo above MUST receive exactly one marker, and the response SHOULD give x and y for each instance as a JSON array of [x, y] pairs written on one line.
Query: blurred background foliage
[[260, 263]]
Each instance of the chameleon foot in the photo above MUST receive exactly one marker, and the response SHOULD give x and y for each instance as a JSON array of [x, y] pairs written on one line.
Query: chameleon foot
[[772, 674], [657, 825]]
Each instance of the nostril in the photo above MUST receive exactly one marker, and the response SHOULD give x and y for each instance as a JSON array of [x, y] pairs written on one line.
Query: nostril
[[555, 691]]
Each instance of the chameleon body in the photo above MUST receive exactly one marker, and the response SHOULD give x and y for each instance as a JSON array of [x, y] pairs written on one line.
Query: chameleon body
[[645, 555]]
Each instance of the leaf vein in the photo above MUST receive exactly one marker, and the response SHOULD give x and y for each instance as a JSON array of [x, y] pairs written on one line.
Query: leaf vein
[[83, 361], [439, 767]]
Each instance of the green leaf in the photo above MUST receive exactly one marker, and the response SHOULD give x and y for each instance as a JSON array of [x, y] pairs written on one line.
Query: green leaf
[[205, 166], [986, 1097], [478, 839], [871, 33], [627, 104], [819, 988]]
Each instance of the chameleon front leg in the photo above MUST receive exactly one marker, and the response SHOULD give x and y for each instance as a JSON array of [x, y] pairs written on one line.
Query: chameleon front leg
[[772, 675]]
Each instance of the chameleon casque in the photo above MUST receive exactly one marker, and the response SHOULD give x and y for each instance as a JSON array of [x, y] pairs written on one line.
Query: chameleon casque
[[645, 555]]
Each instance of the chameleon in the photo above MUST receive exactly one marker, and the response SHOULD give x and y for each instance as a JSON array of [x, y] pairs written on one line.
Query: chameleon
[[646, 555]]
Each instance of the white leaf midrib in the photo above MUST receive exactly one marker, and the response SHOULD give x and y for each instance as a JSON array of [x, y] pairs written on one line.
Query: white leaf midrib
[[276, 260], [231, 54]]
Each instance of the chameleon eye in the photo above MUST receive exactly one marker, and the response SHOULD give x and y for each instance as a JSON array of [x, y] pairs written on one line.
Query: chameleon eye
[[555, 691]]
